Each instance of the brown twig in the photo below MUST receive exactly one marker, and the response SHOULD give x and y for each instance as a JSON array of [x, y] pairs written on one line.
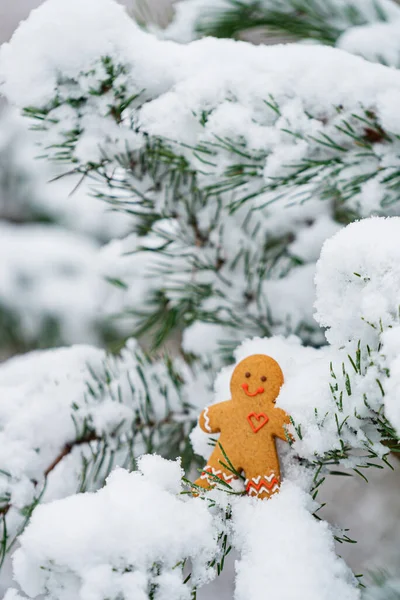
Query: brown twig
[[67, 449], [91, 437]]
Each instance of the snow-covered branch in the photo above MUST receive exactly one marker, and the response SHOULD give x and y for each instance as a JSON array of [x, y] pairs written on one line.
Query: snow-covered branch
[[79, 414], [369, 28], [341, 399], [268, 153]]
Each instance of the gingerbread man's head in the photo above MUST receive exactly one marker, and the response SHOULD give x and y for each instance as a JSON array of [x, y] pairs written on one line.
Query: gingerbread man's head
[[256, 379]]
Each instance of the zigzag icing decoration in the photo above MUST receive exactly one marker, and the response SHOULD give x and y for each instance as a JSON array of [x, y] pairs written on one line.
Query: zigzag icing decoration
[[207, 420], [263, 483], [217, 473], [263, 489], [257, 479]]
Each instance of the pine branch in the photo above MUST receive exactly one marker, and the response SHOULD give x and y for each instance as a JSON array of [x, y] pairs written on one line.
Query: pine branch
[[152, 393], [226, 181], [323, 21]]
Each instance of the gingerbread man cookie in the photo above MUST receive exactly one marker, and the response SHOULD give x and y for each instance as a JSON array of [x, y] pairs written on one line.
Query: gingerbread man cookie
[[248, 424]]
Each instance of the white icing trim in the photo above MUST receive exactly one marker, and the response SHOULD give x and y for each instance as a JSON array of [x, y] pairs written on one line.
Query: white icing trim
[[254, 492], [207, 420], [217, 473]]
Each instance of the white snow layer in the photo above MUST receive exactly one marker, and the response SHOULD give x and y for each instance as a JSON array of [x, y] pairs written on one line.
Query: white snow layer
[[38, 390], [99, 545], [51, 398], [124, 539], [377, 42], [183, 81], [286, 553], [358, 280], [357, 284]]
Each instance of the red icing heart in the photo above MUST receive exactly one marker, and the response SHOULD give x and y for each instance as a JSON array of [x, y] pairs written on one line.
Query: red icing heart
[[261, 419]]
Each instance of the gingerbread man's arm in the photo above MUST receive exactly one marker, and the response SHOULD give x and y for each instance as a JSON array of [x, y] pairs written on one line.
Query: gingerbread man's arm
[[280, 429], [210, 418]]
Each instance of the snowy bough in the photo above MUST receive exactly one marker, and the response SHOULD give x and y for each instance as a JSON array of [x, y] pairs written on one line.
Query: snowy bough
[[369, 28], [144, 536], [267, 153], [235, 164]]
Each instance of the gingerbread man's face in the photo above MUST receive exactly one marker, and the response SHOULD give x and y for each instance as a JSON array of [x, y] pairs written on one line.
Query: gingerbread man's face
[[256, 380]]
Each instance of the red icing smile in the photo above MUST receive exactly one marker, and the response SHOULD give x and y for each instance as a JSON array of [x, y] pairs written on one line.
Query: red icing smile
[[245, 387]]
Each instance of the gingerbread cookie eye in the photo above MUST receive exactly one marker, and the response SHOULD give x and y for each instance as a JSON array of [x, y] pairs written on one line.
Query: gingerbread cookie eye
[[247, 374], [263, 378]]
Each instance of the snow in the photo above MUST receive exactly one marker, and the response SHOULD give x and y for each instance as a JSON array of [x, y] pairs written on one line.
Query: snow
[[186, 80], [286, 552], [243, 71], [80, 391], [38, 389], [377, 42], [309, 240], [103, 29], [50, 275], [263, 531], [72, 204], [59, 14], [387, 114], [12, 594], [50, 278], [291, 298], [129, 539], [165, 474], [202, 339], [357, 280], [54, 559], [122, 260]]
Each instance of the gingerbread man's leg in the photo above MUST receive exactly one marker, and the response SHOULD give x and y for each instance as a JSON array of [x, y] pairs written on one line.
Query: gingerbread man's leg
[[262, 483], [214, 470]]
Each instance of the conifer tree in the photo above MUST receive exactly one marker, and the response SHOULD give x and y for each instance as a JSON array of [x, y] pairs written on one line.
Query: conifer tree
[[234, 164]]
